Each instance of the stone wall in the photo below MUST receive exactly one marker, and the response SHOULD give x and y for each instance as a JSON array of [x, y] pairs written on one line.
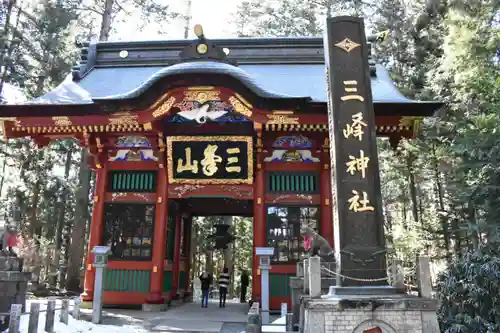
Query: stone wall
[[13, 285], [395, 314], [354, 321]]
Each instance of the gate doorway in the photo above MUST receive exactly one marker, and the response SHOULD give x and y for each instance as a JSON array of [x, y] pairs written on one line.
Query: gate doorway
[[214, 220]]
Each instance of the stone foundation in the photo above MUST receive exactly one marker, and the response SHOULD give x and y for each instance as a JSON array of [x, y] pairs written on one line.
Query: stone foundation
[[13, 285], [360, 313]]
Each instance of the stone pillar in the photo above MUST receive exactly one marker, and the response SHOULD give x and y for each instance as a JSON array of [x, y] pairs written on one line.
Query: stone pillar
[[297, 288], [397, 278], [314, 277], [177, 255], [259, 213], [359, 234], [13, 284], [306, 276], [159, 239], [96, 229], [424, 277]]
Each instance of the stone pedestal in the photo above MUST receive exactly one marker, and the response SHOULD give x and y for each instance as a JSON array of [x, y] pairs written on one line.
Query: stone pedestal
[[297, 288], [357, 313], [13, 285]]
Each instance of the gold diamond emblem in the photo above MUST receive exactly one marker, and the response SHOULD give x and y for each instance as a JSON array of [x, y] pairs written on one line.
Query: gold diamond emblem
[[347, 45]]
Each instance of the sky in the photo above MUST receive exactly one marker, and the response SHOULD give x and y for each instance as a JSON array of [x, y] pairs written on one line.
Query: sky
[[215, 16]]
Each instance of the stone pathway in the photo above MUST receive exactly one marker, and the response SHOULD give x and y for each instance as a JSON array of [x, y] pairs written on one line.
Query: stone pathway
[[191, 317]]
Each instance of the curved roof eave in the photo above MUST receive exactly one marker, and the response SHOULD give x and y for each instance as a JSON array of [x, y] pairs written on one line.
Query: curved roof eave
[[201, 67]]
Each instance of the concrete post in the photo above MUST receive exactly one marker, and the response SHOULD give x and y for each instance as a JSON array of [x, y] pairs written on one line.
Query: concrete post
[[296, 286], [100, 262], [76, 308], [300, 269], [264, 297], [64, 315], [34, 315], [314, 277], [264, 254], [289, 322], [51, 314], [397, 277], [15, 314], [284, 309], [98, 291], [424, 277], [306, 276]]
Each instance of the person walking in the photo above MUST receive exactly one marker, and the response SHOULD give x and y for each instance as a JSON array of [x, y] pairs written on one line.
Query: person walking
[[224, 279], [206, 281], [244, 281]]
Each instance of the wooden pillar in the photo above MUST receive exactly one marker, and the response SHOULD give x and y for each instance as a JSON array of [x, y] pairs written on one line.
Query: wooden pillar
[[96, 229], [188, 227], [326, 228], [159, 239], [259, 215], [177, 255]]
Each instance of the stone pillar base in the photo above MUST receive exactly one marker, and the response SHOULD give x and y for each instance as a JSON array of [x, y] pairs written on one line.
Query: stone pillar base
[[154, 307], [360, 313]]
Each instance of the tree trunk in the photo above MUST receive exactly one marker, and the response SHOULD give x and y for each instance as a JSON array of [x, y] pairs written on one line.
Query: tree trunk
[[5, 34], [60, 220], [438, 188], [413, 187], [78, 233], [106, 20], [34, 225], [2, 176]]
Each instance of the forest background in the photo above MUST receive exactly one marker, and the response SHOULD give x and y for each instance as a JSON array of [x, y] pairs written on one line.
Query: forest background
[[441, 191]]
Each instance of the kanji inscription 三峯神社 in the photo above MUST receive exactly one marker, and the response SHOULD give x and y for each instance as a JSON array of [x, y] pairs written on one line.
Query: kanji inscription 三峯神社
[[357, 215]]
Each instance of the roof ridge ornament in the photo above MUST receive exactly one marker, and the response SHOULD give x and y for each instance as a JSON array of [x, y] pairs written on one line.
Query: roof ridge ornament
[[203, 49]]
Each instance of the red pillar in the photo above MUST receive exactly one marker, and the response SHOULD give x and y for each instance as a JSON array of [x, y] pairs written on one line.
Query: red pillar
[[177, 255], [96, 229], [259, 221], [159, 239], [187, 243], [326, 229]]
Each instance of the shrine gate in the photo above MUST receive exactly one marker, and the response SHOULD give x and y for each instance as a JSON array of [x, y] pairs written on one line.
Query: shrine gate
[[180, 128]]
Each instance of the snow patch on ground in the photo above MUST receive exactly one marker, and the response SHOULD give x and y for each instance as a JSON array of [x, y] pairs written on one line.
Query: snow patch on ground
[[74, 326]]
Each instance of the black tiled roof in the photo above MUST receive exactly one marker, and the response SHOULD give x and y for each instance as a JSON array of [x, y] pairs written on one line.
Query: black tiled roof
[[271, 68]]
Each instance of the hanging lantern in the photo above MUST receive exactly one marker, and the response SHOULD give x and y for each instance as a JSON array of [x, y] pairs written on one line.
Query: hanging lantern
[[222, 237]]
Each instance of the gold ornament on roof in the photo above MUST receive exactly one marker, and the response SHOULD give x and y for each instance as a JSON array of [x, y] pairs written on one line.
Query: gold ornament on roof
[[62, 121], [124, 120], [164, 108], [347, 45], [240, 107], [202, 48], [201, 96], [280, 119]]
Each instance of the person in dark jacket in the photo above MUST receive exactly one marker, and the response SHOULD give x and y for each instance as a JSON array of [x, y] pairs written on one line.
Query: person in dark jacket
[[244, 285], [206, 281]]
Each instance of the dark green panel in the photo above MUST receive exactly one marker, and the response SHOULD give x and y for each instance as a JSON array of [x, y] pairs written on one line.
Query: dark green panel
[[127, 280], [279, 285], [132, 181], [292, 182], [167, 281]]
